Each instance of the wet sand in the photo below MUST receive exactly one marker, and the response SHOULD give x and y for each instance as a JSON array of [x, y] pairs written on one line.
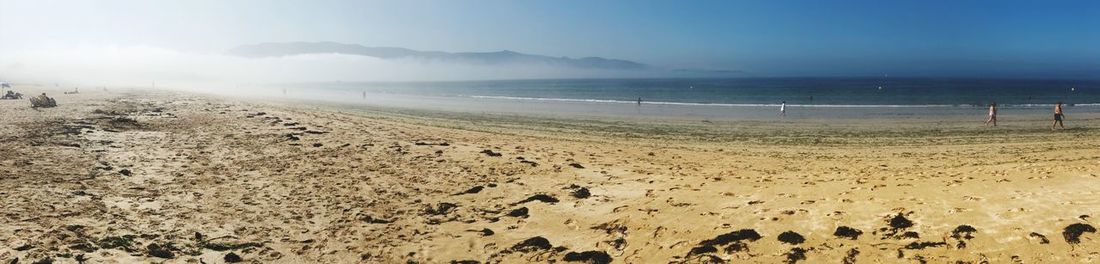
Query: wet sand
[[126, 176]]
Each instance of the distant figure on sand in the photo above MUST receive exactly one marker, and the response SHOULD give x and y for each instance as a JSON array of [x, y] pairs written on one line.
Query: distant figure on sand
[[1058, 116], [783, 109], [639, 101], [992, 114]]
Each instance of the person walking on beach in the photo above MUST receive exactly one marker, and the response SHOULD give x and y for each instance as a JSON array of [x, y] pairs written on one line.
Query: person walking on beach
[[783, 109], [992, 114], [1058, 116]]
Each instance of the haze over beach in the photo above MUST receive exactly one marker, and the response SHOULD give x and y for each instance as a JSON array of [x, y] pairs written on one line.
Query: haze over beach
[[549, 132]]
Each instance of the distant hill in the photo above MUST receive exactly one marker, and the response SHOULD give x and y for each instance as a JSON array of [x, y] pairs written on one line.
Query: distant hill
[[505, 57]]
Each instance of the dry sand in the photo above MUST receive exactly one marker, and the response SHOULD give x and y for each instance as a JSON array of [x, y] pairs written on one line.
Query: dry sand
[[136, 177]]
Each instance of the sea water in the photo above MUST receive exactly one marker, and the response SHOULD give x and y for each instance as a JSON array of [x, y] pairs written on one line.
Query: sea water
[[815, 92], [932, 100]]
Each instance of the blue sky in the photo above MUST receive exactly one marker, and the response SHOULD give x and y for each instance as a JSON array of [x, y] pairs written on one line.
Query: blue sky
[[1049, 39]]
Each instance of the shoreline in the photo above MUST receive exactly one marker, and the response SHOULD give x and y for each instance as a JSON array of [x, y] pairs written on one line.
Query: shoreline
[[673, 112], [277, 181]]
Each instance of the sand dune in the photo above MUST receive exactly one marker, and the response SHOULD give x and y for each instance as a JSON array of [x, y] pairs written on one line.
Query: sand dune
[[139, 176]]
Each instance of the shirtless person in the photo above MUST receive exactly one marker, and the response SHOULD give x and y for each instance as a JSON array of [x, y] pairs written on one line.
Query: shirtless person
[[1058, 116]]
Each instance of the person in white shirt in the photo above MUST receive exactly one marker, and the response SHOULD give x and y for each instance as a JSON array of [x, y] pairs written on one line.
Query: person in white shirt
[[783, 109], [992, 114]]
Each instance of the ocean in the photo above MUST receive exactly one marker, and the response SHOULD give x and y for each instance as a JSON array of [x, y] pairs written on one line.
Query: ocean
[[805, 92]]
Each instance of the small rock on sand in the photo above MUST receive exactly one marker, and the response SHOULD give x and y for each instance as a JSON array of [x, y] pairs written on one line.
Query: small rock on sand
[[159, 251], [232, 258], [532, 244], [847, 232], [521, 212], [472, 190], [539, 197], [790, 237], [581, 193]]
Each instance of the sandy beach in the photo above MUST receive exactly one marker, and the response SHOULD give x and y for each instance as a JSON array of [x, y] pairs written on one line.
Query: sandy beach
[[138, 176]]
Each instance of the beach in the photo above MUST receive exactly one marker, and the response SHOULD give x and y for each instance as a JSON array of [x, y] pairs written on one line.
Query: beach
[[139, 176]]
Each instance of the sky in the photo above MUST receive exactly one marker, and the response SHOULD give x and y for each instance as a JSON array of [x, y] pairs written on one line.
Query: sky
[[994, 39]]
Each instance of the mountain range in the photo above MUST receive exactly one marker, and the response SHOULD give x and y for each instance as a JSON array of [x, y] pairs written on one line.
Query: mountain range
[[504, 57]]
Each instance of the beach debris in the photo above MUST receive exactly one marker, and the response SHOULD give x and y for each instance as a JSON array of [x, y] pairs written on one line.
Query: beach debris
[[472, 190], [909, 234], [84, 246], [441, 208], [850, 258], [125, 172], [232, 258], [581, 193], [46, 260], [795, 255], [1042, 238], [539, 197], [963, 233], [896, 228], [532, 244], [612, 227], [422, 143], [156, 250], [592, 256], [123, 242], [292, 137], [847, 232], [525, 161], [734, 242], [491, 153], [924, 244], [465, 262], [900, 222], [11, 95], [317, 145], [1073, 232], [229, 246], [576, 165], [790, 237], [520, 212], [487, 232], [80, 258], [42, 101], [372, 220], [120, 123]]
